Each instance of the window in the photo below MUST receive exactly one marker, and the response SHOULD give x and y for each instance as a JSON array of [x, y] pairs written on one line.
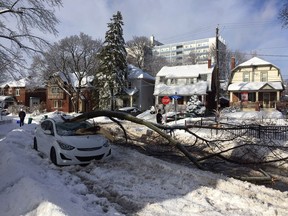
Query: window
[[246, 77], [162, 79], [57, 103], [129, 84], [189, 81], [264, 76], [17, 92], [251, 97], [55, 90], [203, 77], [173, 81]]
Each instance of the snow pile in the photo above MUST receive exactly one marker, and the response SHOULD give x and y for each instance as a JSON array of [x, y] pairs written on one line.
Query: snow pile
[[129, 183]]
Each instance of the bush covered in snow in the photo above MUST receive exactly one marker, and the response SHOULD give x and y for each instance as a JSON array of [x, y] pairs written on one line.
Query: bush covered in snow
[[195, 106]]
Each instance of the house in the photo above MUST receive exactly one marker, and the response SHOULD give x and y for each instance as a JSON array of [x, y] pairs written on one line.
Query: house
[[25, 91], [179, 83], [140, 89], [255, 83], [62, 93]]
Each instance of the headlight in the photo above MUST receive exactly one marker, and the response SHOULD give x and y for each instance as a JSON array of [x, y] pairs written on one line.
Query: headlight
[[106, 144], [65, 146]]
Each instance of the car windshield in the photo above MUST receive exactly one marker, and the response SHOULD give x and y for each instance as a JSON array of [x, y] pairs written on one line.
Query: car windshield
[[74, 128]]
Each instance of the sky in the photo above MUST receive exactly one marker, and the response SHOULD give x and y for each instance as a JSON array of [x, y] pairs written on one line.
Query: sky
[[246, 25], [128, 183]]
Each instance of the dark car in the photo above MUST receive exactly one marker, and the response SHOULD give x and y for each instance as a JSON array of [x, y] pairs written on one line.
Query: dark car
[[131, 110]]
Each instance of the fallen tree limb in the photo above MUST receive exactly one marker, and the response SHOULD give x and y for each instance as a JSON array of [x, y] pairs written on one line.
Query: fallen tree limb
[[155, 127], [259, 179]]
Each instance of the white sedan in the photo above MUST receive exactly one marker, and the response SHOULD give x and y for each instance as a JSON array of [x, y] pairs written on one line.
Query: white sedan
[[67, 143]]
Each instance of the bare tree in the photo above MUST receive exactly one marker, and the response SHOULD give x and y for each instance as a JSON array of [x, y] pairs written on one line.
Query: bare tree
[[155, 64], [191, 59], [283, 15], [74, 57], [139, 49], [18, 19]]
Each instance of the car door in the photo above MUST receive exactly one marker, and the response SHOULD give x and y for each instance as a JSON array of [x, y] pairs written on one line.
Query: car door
[[45, 140]]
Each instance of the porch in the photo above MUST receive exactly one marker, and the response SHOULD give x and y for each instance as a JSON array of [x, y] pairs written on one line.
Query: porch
[[255, 100], [254, 106]]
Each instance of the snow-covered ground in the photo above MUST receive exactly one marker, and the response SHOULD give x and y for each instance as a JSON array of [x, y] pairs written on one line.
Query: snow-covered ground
[[128, 183]]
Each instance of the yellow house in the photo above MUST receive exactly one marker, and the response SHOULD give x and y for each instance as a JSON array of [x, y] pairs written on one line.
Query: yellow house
[[255, 84]]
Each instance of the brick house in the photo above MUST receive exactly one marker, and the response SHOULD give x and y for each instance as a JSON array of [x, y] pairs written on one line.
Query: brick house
[[25, 92], [61, 90]]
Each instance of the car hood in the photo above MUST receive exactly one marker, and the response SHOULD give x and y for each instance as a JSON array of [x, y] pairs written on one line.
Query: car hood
[[82, 141]]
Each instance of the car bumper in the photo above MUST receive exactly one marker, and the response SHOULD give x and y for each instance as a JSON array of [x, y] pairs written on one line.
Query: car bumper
[[82, 157]]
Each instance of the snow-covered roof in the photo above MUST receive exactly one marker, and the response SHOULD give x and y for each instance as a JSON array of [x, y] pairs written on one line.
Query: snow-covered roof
[[131, 91], [255, 61], [199, 88], [24, 82], [137, 73], [253, 86], [19, 83], [184, 71]]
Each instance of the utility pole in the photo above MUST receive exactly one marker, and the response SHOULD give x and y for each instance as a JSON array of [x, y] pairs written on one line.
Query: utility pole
[[217, 71]]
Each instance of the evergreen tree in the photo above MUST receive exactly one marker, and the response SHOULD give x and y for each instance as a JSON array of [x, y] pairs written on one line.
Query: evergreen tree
[[112, 74], [195, 106]]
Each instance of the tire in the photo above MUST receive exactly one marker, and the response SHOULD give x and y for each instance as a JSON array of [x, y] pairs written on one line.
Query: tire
[[35, 146], [53, 156]]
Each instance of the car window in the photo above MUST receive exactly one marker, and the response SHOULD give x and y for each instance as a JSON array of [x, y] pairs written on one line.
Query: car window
[[71, 128], [47, 125]]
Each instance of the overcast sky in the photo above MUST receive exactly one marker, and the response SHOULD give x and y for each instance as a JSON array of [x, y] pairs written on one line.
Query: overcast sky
[[245, 25]]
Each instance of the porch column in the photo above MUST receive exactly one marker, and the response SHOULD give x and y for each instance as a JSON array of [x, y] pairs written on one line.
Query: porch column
[[156, 100], [131, 100], [257, 96], [278, 96], [231, 97]]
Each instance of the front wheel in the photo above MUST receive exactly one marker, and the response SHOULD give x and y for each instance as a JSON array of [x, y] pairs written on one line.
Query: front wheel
[[53, 156]]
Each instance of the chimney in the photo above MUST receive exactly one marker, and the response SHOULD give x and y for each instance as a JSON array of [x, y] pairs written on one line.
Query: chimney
[[233, 63], [152, 40], [209, 63]]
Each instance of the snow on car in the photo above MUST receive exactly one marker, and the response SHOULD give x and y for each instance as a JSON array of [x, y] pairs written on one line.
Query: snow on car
[[67, 143]]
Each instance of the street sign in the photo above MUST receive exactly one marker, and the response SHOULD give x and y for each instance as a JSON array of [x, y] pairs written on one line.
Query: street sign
[[176, 97], [165, 100]]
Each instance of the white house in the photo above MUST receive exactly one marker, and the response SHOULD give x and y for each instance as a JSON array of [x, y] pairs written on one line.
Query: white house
[[181, 82], [141, 87]]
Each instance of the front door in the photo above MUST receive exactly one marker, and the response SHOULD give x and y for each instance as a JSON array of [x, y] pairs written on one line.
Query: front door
[[266, 100]]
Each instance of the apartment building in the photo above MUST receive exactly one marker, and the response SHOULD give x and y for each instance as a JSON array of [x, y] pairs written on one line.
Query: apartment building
[[184, 52]]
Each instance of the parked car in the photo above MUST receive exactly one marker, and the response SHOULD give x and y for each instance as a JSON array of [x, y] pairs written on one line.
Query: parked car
[[172, 116], [4, 112], [131, 110], [67, 143]]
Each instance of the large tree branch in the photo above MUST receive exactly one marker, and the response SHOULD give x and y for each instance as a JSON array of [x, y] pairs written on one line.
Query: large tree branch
[[154, 127]]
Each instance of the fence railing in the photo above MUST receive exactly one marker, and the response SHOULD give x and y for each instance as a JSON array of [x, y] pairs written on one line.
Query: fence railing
[[277, 132]]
